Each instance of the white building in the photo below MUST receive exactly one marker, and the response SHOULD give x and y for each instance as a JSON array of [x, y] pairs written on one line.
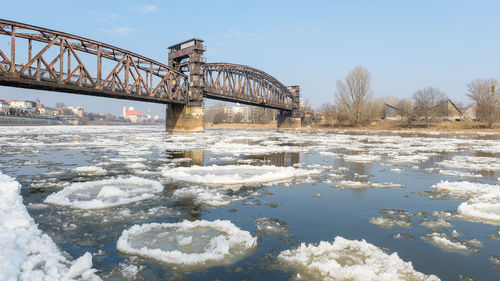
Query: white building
[[4, 107]]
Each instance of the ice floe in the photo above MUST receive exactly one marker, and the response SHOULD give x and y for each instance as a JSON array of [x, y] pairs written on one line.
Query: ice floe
[[474, 163], [435, 224], [27, 253], [271, 227], [459, 174], [361, 158], [188, 243], [392, 218], [92, 170], [208, 196], [105, 193], [358, 184], [345, 259], [447, 242], [483, 200], [235, 174]]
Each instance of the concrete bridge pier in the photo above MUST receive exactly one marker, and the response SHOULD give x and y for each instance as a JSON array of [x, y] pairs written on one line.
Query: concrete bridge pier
[[185, 119], [286, 121]]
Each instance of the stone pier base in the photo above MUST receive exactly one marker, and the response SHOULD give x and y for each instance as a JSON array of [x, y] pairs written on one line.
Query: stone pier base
[[287, 123], [185, 119]]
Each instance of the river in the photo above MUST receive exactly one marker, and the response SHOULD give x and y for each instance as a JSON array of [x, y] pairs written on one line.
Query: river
[[263, 205]]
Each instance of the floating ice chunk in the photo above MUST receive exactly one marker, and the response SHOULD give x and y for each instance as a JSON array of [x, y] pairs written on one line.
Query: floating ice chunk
[[359, 184], [133, 166], [127, 160], [196, 243], [459, 174], [495, 259], [409, 159], [435, 224], [207, 196], [234, 174], [392, 218], [105, 193], [397, 170], [348, 260], [483, 200], [446, 242], [484, 208], [270, 227], [495, 236], [94, 170], [361, 158], [472, 163], [27, 253], [328, 153], [386, 185]]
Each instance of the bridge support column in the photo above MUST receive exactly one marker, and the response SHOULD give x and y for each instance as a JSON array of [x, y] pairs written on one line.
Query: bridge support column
[[185, 119], [288, 122]]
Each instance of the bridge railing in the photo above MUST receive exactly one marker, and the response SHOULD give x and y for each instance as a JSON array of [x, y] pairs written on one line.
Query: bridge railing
[[41, 58]]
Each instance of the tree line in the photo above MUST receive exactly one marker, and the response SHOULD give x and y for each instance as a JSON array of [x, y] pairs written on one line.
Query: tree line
[[354, 103]]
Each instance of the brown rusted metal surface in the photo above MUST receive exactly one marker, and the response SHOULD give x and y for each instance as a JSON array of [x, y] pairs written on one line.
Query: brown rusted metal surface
[[126, 77], [98, 69], [244, 84]]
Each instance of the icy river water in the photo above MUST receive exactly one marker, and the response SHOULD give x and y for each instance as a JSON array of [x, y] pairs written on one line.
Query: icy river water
[[254, 205]]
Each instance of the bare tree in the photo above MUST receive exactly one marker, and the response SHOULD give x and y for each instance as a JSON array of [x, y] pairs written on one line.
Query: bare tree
[[406, 109], [485, 94], [426, 101], [352, 96], [60, 105], [329, 112]]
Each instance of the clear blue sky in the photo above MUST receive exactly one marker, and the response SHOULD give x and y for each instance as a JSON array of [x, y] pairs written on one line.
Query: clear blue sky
[[405, 45]]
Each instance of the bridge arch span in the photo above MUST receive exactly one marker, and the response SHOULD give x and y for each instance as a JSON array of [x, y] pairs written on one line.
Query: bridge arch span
[[46, 59], [244, 84]]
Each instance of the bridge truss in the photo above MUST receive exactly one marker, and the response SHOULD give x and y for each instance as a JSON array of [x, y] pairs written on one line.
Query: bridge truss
[[244, 84], [56, 61], [45, 59]]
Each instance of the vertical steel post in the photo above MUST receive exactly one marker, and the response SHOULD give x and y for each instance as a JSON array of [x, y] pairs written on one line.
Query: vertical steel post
[[13, 50], [61, 62], [99, 62]]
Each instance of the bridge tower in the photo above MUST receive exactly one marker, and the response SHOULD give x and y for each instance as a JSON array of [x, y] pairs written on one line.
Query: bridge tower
[[187, 57], [291, 119]]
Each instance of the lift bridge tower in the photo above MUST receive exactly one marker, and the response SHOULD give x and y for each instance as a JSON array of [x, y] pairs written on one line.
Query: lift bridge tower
[[187, 57]]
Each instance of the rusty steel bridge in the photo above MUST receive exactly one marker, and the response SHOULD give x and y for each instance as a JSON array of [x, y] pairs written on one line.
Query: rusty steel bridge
[[44, 59]]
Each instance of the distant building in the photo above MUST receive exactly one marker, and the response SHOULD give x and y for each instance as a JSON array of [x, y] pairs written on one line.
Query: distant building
[[470, 112], [78, 111], [447, 110], [4, 107], [46, 111], [232, 113], [22, 104], [392, 112], [132, 115]]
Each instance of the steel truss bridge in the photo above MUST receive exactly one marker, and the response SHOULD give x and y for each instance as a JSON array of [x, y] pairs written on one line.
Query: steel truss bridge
[[44, 59]]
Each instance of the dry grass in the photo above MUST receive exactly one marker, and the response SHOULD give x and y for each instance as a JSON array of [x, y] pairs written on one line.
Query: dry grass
[[466, 126], [463, 126]]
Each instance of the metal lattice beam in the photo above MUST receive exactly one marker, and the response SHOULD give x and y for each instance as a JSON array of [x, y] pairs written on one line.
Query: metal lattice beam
[[244, 84], [63, 64]]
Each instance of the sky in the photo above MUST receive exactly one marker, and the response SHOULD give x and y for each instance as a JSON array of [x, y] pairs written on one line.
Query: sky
[[406, 45]]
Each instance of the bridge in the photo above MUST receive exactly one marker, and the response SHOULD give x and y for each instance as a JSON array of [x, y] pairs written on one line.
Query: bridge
[[45, 59]]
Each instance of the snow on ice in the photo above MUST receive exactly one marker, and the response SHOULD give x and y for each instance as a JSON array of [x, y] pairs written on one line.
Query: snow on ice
[[27, 253], [188, 243], [105, 193], [235, 174], [345, 259]]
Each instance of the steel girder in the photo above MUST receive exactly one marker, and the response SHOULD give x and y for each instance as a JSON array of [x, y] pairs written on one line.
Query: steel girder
[[68, 63], [244, 84]]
